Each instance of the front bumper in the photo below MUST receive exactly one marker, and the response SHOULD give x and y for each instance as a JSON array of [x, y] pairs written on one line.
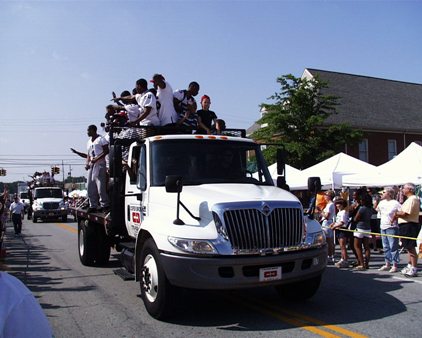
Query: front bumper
[[219, 273], [46, 213]]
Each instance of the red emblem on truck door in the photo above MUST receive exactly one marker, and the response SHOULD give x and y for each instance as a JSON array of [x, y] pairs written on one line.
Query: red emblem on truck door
[[136, 217]]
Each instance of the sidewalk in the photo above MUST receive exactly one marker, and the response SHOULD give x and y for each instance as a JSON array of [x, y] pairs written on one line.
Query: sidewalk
[[17, 259]]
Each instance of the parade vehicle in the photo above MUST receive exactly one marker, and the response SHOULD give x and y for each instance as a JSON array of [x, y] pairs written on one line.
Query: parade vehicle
[[48, 203], [23, 195], [201, 212]]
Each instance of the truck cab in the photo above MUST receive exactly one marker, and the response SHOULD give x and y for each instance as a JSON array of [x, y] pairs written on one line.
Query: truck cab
[[48, 204], [24, 198]]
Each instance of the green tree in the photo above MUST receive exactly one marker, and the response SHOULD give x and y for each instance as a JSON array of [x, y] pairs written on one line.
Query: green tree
[[296, 122]]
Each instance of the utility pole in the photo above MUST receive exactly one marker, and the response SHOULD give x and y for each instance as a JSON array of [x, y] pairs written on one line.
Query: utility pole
[[63, 173]]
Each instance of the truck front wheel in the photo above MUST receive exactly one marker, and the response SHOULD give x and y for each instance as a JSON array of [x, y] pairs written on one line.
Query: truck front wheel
[[86, 243], [299, 291], [156, 291]]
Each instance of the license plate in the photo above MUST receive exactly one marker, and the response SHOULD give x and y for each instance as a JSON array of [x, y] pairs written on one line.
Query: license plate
[[51, 214], [269, 274]]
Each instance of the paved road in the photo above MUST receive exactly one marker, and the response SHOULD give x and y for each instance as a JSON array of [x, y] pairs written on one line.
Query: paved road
[[93, 302]]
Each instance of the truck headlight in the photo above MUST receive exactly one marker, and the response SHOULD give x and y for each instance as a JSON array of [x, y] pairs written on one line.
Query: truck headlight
[[196, 246], [37, 206], [62, 205], [315, 238]]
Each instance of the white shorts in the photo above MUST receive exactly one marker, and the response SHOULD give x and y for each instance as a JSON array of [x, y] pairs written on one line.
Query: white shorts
[[359, 234]]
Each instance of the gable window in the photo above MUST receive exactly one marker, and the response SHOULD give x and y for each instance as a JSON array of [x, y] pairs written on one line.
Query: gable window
[[363, 150], [392, 149]]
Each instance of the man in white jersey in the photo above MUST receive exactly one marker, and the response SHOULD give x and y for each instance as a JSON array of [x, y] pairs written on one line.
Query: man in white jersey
[[147, 104], [96, 166], [167, 114]]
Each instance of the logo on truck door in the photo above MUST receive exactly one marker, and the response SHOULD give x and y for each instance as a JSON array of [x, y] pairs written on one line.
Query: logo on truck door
[[136, 217]]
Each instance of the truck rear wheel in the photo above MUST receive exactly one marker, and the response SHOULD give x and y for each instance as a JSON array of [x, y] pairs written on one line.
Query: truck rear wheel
[[299, 291], [156, 291], [102, 247], [86, 243]]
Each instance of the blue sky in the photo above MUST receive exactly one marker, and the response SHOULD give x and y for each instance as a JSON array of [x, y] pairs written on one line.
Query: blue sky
[[60, 60]]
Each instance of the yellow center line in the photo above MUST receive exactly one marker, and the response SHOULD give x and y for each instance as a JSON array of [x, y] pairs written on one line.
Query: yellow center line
[[298, 319], [67, 227], [290, 320]]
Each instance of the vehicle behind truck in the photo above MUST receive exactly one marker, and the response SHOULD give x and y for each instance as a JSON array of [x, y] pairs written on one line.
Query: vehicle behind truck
[[190, 212], [48, 204]]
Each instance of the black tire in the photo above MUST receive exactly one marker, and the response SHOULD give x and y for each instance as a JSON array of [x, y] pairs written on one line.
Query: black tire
[[86, 243], [64, 219], [156, 291], [102, 255], [34, 219], [299, 291]]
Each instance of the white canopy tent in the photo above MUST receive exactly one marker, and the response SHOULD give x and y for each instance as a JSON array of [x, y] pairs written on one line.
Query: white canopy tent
[[405, 167], [291, 173], [331, 171]]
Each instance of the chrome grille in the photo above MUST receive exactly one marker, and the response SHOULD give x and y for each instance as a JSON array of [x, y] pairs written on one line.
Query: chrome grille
[[250, 229], [50, 205]]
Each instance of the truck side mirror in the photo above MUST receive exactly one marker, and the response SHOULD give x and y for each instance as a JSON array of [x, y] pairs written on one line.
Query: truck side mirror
[[174, 183], [281, 183], [314, 184], [281, 162]]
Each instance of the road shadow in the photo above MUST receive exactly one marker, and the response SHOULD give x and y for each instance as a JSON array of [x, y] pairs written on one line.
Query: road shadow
[[344, 297]]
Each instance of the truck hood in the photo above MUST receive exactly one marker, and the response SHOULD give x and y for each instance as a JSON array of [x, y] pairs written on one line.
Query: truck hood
[[224, 193], [200, 200]]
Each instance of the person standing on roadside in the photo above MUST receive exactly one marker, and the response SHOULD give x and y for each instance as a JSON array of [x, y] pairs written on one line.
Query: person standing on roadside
[[387, 207], [363, 226], [328, 218], [17, 208], [342, 219], [408, 219]]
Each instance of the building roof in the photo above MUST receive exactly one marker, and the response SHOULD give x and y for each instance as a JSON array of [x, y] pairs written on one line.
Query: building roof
[[373, 103]]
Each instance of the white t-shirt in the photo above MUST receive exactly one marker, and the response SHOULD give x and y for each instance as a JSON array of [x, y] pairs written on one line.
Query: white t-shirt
[[331, 209], [387, 210], [342, 216], [95, 148], [17, 207], [20, 313], [167, 113], [147, 99], [133, 111]]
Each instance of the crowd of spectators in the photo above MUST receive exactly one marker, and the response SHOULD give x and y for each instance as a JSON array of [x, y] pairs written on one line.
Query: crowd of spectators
[[355, 223]]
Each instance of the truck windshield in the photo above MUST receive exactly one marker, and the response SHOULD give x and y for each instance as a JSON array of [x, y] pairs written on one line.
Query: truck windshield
[[45, 193], [24, 195], [208, 161]]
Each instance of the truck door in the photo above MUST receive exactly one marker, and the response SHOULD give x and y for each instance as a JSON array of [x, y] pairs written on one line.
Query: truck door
[[134, 196]]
